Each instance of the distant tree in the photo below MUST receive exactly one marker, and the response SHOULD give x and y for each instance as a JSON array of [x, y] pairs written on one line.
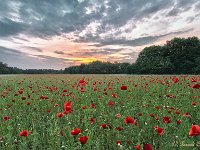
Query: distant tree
[[183, 54], [178, 56]]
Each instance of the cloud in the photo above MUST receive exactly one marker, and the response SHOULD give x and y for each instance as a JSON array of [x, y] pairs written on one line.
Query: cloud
[[100, 24], [139, 41], [22, 60], [34, 48], [9, 27], [59, 52]]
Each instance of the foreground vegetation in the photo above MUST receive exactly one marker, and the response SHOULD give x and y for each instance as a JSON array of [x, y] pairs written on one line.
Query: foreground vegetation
[[99, 112]]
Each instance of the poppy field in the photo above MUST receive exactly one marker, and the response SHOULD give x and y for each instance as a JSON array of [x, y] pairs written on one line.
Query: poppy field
[[102, 112]]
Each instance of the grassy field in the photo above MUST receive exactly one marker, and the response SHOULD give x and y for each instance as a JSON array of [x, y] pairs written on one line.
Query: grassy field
[[102, 112]]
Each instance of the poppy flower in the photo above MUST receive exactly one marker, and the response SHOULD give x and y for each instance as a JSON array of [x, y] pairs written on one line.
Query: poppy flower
[[24, 133], [129, 120], [119, 143], [67, 108], [23, 98], [76, 131], [93, 105], [20, 91], [119, 128], [117, 115], [114, 95], [56, 105], [82, 82], [194, 131], [159, 130], [111, 103], [175, 79], [104, 126], [59, 115], [147, 147], [123, 87], [187, 115], [166, 119], [83, 139], [194, 103], [6, 118], [137, 147], [196, 86], [139, 114], [152, 115], [178, 122], [84, 107], [92, 120]]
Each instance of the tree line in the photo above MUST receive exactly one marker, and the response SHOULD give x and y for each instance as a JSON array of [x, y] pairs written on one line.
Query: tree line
[[4, 69], [177, 56]]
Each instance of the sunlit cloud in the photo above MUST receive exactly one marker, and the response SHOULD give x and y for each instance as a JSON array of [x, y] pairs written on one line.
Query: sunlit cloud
[[58, 34]]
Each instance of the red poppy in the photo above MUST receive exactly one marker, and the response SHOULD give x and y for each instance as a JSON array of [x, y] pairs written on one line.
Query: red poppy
[[152, 115], [76, 131], [104, 126], [194, 103], [114, 95], [20, 91], [194, 131], [59, 115], [178, 122], [56, 105], [83, 139], [6, 118], [139, 114], [111, 103], [92, 120], [82, 82], [119, 128], [187, 115], [137, 147], [159, 130], [24, 133], [84, 107], [175, 79], [93, 105], [196, 86], [147, 147], [117, 115], [123, 87], [67, 108], [166, 119], [119, 143], [23, 98], [129, 120]]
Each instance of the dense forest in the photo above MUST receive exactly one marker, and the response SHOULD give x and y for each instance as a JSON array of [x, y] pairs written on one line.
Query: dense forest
[[178, 56]]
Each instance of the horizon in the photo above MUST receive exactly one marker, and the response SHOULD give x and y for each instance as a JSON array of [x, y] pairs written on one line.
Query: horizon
[[52, 34]]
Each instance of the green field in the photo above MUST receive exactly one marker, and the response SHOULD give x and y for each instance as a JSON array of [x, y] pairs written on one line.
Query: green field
[[113, 112]]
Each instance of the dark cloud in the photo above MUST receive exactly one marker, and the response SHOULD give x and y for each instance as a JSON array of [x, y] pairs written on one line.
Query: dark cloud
[[22, 60], [9, 51], [34, 48], [173, 12], [139, 41], [9, 27], [181, 6], [59, 52], [49, 17]]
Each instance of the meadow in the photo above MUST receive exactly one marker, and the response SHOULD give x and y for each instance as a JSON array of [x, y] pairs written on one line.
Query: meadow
[[99, 112]]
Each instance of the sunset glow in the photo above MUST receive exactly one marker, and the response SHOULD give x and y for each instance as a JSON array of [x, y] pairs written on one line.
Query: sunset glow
[[59, 34]]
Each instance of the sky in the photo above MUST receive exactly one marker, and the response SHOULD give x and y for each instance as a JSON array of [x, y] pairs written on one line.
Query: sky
[[55, 34]]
